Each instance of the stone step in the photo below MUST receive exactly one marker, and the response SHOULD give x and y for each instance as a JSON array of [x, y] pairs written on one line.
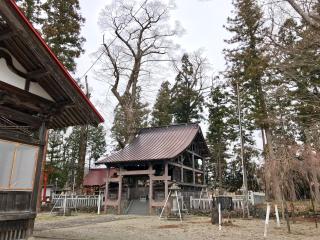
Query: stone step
[[138, 207]]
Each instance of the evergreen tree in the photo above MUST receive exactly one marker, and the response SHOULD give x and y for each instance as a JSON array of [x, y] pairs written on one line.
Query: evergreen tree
[[96, 143], [247, 62], [161, 114], [61, 30], [31, 9], [72, 157], [95, 146], [246, 70], [187, 99], [219, 134], [55, 156], [120, 131]]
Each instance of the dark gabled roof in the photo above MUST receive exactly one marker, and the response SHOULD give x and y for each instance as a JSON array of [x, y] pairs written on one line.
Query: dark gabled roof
[[158, 143], [20, 38]]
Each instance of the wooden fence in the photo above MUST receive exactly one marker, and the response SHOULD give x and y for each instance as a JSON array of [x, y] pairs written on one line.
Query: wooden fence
[[76, 201], [205, 204]]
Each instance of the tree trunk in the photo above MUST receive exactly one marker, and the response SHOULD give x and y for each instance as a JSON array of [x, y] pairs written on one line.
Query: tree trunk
[[82, 156], [274, 181], [314, 179]]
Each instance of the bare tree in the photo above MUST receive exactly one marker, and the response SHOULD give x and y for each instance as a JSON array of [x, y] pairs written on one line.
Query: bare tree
[[306, 9], [140, 36]]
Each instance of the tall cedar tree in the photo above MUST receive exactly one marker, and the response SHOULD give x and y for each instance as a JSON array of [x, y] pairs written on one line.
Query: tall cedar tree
[[60, 24], [187, 100], [96, 143], [55, 157], [140, 113], [246, 66], [219, 135], [31, 9], [95, 148], [161, 114], [61, 29], [223, 130]]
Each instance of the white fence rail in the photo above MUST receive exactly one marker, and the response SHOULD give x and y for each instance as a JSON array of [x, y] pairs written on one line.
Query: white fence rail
[[76, 201], [205, 204]]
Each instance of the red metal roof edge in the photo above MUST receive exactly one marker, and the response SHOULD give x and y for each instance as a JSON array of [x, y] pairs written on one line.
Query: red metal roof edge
[[66, 73]]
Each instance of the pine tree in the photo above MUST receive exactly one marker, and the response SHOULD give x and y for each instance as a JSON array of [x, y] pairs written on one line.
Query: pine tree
[[120, 131], [61, 30], [161, 114], [187, 99]]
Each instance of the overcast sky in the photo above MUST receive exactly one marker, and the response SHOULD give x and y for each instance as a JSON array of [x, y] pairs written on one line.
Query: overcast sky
[[202, 20]]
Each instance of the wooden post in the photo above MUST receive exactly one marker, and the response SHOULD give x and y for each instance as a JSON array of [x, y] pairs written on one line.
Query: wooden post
[[204, 172], [267, 221], [166, 187], [40, 161], [150, 190], [98, 203], [181, 162], [166, 181], [193, 172], [277, 215], [106, 192], [220, 217], [119, 194]]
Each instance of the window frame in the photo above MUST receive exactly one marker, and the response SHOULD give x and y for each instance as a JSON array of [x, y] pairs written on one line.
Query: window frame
[[13, 165]]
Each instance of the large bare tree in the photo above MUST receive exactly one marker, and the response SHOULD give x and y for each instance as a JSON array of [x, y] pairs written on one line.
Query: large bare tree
[[308, 11], [140, 36]]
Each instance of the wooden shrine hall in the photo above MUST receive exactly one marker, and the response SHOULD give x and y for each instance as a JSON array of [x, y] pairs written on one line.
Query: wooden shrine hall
[[36, 94], [157, 157]]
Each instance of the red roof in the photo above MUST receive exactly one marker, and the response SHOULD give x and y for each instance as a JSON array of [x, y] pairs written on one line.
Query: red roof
[[53, 56], [158, 143], [97, 177]]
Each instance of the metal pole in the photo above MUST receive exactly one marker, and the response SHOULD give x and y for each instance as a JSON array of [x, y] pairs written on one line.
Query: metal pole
[[244, 174]]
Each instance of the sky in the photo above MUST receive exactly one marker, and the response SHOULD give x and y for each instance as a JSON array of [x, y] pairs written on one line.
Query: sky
[[202, 21]]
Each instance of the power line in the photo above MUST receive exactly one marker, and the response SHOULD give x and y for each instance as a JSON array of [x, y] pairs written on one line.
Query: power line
[[98, 58]]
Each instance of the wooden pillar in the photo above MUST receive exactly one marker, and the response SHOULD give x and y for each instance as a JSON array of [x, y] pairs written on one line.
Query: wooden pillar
[[165, 181], [204, 171], [166, 187], [119, 194], [106, 191], [193, 172], [182, 169], [40, 161], [150, 190]]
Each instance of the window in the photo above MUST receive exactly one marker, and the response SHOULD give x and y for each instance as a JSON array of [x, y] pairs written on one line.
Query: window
[[17, 165]]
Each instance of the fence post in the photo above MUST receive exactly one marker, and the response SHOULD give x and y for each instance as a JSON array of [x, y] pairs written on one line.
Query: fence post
[[64, 204], [98, 202]]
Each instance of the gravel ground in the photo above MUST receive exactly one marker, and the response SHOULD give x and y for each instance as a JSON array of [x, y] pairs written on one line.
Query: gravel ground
[[86, 226]]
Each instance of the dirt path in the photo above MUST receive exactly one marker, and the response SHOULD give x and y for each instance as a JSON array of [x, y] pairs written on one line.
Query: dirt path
[[114, 227]]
